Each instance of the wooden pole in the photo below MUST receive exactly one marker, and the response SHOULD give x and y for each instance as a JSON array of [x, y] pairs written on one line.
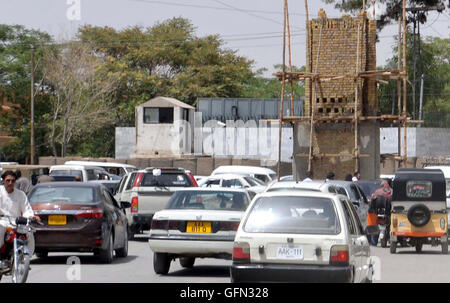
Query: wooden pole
[[32, 144], [280, 133], [399, 88], [358, 50], [290, 58], [404, 84]]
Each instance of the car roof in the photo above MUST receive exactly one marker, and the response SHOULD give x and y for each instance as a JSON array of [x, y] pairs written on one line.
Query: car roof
[[69, 167], [94, 163], [206, 189], [305, 193], [225, 176], [68, 183], [243, 169], [314, 185]]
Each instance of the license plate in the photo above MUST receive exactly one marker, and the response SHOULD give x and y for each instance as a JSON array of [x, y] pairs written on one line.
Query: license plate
[[290, 252], [198, 227], [57, 220]]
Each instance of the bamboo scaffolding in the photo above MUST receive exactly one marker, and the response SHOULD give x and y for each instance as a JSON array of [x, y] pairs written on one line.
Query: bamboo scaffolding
[[376, 75]]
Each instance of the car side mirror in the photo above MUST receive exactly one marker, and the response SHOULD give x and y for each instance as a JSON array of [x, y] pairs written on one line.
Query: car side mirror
[[125, 204], [372, 230]]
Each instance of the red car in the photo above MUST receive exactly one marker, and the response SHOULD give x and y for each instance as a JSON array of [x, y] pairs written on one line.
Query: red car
[[79, 217]]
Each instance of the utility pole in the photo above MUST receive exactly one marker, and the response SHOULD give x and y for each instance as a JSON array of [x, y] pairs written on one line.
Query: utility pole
[[32, 147]]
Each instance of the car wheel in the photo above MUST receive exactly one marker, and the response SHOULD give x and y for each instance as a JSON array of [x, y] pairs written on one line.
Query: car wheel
[[383, 243], [161, 263], [106, 255], [419, 247], [444, 246], [393, 247], [130, 233], [123, 251], [187, 262]]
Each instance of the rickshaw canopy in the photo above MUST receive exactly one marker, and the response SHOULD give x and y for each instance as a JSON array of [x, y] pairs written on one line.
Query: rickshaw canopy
[[418, 184]]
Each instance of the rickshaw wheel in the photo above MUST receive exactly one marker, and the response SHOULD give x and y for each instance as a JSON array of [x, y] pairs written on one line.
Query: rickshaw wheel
[[444, 246], [393, 247]]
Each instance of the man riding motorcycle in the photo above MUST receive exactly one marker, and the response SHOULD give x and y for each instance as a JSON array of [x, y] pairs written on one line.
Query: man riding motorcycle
[[380, 204], [13, 202]]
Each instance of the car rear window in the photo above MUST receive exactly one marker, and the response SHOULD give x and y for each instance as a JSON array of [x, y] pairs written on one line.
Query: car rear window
[[67, 172], [293, 215], [167, 179], [418, 189], [62, 195], [212, 200]]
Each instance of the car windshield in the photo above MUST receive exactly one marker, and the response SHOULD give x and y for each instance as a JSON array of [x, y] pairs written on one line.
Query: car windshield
[[62, 195], [212, 200], [293, 215], [67, 172], [166, 179], [254, 181]]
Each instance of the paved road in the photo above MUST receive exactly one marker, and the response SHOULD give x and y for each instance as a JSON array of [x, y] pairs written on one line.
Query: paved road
[[406, 266]]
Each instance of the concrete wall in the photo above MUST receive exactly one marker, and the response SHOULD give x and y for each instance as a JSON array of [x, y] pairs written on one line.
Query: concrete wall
[[125, 142]]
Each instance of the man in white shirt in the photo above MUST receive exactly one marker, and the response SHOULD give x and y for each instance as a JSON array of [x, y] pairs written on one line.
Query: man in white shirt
[[356, 176], [309, 176], [13, 202]]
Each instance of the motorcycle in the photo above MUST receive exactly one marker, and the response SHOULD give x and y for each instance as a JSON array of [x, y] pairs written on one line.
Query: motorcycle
[[15, 254], [383, 224]]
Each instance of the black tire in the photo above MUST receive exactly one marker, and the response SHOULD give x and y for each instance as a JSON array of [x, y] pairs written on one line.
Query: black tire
[[383, 242], [123, 251], [419, 247], [161, 263], [130, 233], [444, 246], [107, 255], [42, 254], [20, 274], [419, 215], [187, 262], [393, 247]]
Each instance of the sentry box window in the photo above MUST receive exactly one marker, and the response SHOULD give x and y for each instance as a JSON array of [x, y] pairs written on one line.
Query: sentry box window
[[158, 115]]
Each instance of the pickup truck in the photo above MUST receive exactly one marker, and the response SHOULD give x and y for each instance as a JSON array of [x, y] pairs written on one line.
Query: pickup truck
[[148, 191]]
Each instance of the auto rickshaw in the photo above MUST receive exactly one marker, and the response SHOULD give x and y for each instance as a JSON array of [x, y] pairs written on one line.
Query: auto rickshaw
[[419, 210]]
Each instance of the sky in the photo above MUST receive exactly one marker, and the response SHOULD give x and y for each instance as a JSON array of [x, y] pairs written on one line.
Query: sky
[[251, 27]]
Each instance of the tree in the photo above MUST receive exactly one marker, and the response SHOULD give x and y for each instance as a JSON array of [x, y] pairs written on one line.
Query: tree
[[393, 8], [82, 91], [15, 72]]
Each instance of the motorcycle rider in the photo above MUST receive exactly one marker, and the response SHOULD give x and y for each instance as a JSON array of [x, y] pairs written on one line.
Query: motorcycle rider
[[381, 200], [13, 202]]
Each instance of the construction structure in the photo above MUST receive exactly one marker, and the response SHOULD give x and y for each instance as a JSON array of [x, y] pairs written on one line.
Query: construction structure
[[340, 129]]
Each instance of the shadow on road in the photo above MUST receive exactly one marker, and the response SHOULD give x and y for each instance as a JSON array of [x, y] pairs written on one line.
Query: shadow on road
[[84, 259], [203, 271], [413, 252]]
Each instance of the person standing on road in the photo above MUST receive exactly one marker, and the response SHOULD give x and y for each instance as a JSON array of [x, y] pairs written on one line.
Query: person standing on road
[[13, 202], [22, 183], [356, 176], [45, 177], [309, 176]]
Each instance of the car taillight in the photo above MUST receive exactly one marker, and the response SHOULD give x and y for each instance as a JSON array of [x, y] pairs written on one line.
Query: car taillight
[[94, 213], [138, 180], [134, 205], [174, 224], [339, 255], [228, 226], [241, 252], [194, 183], [160, 224], [394, 222]]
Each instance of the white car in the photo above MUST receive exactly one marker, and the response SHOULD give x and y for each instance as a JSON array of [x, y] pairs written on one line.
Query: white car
[[197, 222], [301, 236], [233, 181], [264, 174]]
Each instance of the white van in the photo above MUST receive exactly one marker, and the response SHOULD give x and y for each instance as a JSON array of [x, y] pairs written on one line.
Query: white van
[[86, 173], [264, 174], [119, 169]]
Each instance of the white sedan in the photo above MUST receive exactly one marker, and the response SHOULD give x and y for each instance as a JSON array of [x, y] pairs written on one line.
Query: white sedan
[[233, 181], [197, 222], [301, 236]]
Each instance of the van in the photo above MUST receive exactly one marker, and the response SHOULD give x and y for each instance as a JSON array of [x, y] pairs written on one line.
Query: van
[[86, 173], [264, 174], [119, 169]]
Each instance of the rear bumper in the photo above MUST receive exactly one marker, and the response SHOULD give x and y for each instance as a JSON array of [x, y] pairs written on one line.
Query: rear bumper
[[52, 240], [193, 246], [290, 273], [140, 222]]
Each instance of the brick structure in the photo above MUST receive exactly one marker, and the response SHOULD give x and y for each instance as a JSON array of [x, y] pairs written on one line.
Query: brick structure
[[332, 50]]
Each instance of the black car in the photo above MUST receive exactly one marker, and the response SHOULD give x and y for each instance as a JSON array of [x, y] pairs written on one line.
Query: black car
[[79, 217]]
